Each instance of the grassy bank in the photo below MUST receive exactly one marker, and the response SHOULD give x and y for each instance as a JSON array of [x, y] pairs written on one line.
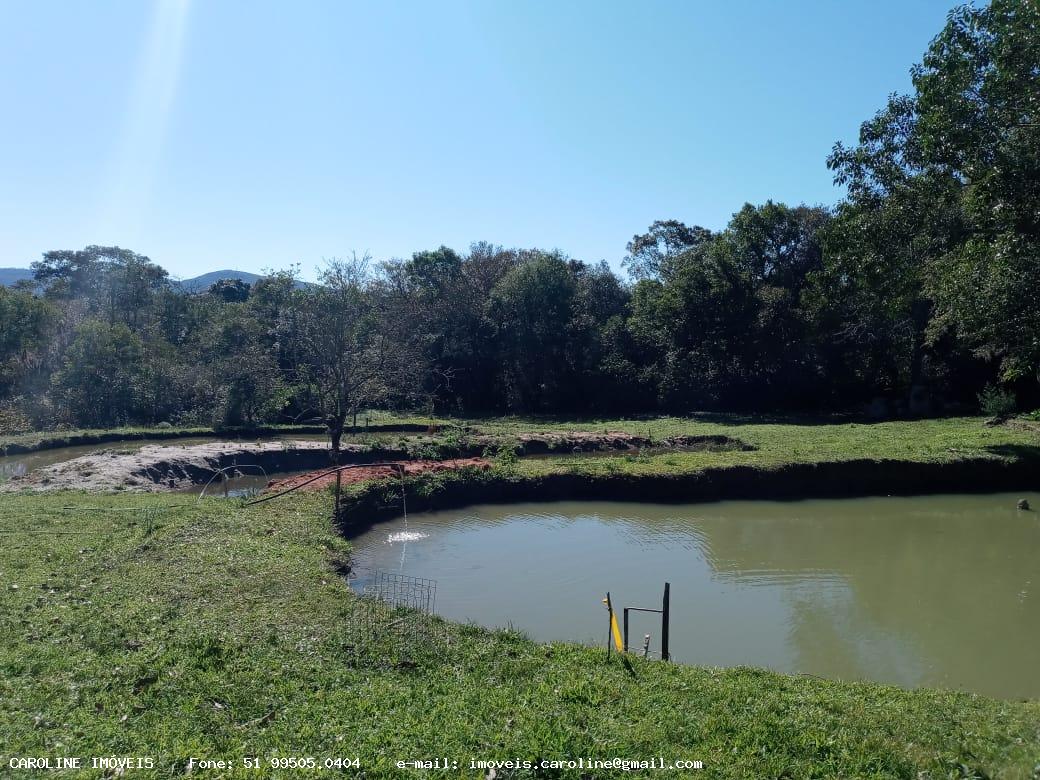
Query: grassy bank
[[786, 442], [774, 460], [778, 441], [146, 625], [33, 441]]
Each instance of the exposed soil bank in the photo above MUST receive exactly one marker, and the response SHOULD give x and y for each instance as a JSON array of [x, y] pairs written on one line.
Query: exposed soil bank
[[364, 473], [156, 468], [585, 441], [840, 479], [115, 437]]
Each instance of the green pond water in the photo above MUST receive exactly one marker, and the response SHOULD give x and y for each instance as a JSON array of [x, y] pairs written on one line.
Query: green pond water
[[937, 591]]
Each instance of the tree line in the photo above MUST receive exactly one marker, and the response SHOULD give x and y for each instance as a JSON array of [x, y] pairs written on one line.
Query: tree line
[[918, 289]]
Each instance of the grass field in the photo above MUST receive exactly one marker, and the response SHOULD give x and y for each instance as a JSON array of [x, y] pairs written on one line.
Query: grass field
[[32, 440], [149, 625]]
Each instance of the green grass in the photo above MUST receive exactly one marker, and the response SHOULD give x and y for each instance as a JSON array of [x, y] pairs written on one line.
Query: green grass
[[42, 439], [780, 443], [150, 625], [36, 438]]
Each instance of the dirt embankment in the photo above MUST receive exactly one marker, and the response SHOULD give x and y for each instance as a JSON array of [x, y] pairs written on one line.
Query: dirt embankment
[[158, 467], [563, 442], [363, 473], [840, 479]]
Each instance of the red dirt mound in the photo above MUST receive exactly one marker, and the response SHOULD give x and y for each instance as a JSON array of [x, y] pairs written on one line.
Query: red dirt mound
[[363, 473]]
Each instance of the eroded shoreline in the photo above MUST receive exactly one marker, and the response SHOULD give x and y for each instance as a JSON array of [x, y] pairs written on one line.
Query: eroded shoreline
[[160, 467], [795, 481]]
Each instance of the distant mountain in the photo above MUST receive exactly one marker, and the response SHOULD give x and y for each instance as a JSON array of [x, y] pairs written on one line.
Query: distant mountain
[[8, 276], [203, 282]]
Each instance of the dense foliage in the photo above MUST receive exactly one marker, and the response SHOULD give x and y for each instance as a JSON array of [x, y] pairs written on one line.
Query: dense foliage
[[917, 292]]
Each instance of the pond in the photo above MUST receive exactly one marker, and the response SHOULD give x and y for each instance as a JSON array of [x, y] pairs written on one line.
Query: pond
[[937, 591]]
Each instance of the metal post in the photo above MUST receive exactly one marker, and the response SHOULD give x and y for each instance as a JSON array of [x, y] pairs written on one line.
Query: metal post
[[665, 615], [404, 493], [339, 480], [625, 620], [610, 626]]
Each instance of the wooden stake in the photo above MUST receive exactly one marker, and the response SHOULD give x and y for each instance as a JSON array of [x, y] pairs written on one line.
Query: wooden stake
[[665, 617]]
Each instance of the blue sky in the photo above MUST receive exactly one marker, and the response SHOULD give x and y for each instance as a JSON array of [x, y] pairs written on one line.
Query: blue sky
[[252, 135]]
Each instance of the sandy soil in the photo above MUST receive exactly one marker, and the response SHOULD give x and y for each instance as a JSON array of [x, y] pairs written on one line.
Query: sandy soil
[[362, 473], [161, 467], [157, 467]]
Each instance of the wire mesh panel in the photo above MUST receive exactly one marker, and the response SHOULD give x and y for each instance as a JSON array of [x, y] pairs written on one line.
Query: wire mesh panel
[[400, 590], [393, 619]]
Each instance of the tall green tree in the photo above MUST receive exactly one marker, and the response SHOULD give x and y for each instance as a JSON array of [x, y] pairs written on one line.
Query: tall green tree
[[99, 383], [446, 298], [230, 290], [978, 118], [939, 233], [725, 324], [777, 248], [352, 354], [115, 283], [531, 310], [651, 255], [25, 327]]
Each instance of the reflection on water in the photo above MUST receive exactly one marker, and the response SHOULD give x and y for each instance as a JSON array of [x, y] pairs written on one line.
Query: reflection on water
[[239, 484], [926, 591]]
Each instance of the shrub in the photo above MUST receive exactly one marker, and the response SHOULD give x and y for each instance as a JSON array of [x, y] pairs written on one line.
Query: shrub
[[997, 402], [14, 420], [503, 454], [456, 440]]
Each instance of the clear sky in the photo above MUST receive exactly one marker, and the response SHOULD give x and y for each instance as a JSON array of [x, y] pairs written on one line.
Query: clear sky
[[221, 134]]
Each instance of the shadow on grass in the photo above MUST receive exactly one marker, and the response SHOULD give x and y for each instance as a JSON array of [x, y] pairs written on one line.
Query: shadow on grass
[[1015, 451]]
